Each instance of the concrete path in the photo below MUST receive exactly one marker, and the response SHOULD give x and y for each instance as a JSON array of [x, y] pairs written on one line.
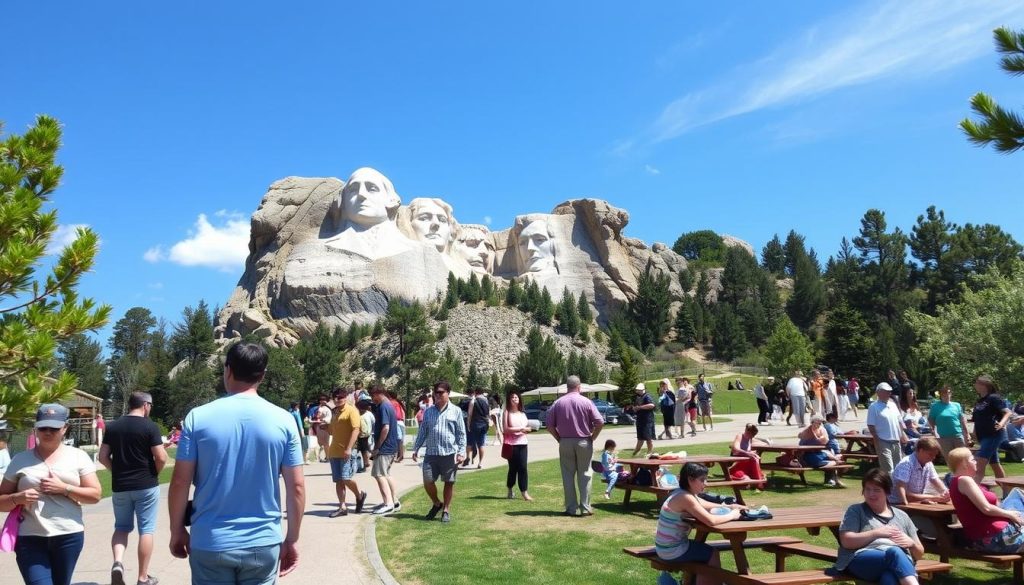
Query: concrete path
[[333, 550]]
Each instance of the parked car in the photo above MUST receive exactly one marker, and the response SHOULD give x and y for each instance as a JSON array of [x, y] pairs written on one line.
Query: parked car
[[537, 411], [613, 415]]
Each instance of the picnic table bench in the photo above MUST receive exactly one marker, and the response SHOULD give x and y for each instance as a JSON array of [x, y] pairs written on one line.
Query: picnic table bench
[[792, 453], [811, 518], [947, 529], [1009, 482], [662, 493], [858, 446]]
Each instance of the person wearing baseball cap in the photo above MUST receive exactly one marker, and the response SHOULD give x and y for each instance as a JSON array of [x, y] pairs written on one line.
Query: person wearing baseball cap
[[50, 482], [885, 425]]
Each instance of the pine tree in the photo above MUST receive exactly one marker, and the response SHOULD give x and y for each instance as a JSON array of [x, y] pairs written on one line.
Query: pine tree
[[378, 329], [352, 336], [808, 300], [730, 342], [497, 387], [442, 331], [284, 381], [321, 363], [648, 312], [541, 364], [473, 378], [544, 312], [849, 346], [513, 294], [703, 290], [415, 343], [448, 367], [37, 313], [83, 358], [998, 126], [486, 287], [471, 294], [628, 374], [192, 339], [773, 256], [794, 249], [583, 310], [686, 280], [568, 317], [685, 331]]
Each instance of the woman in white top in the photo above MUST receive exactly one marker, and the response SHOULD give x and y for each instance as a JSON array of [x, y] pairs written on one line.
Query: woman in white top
[[50, 483]]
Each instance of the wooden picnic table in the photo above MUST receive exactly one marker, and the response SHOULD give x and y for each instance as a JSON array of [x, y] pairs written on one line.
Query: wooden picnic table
[[811, 518], [943, 517], [858, 446], [652, 465], [794, 451], [1009, 482]]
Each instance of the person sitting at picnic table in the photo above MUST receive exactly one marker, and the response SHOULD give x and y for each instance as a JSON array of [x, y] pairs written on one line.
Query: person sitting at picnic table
[[1014, 443], [833, 431], [671, 540], [750, 468], [915, 473], [816, 435], [987, 527], [878, 543]]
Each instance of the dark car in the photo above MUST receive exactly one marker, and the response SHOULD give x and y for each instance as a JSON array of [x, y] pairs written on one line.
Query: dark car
[[613, 415], [537, 411]]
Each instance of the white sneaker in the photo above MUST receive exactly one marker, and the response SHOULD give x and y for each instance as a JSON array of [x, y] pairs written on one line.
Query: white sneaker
[[384, 511], [830, 483]]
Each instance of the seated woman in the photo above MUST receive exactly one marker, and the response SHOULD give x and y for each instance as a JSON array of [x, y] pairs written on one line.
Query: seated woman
[[988, 527], [815, 434], [174, 436], [741, 447], [877, 542], [671, 540]]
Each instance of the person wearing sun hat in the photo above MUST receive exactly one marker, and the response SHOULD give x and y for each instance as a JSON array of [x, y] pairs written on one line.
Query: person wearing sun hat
[[50, 482], [885, 424]]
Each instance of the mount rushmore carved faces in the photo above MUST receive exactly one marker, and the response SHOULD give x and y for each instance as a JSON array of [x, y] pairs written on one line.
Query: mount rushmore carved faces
[[535, 245], [368, 199], [432, 222], [473, 245]]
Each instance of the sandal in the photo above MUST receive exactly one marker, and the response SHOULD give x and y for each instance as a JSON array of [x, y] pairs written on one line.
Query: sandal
[[338, 512]]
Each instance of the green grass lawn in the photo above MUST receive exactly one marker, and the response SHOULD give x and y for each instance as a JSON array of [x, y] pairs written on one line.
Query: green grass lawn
[[494, 540]]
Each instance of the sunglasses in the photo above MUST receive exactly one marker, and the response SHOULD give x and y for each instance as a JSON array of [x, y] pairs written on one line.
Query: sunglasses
[[440, 392], [47, 429]]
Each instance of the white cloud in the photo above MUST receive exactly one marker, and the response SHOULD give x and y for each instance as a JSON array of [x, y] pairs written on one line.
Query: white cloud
[[900, 38], [487, 220], [223, 246], [62, 237], [651, 170], [154, 254], [156, 285]]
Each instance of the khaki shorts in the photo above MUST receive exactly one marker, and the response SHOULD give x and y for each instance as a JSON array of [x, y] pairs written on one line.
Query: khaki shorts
[[382, 465]]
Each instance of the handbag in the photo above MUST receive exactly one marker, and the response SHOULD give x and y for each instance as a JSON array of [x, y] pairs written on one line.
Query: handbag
[[9, 532], [506, 450]]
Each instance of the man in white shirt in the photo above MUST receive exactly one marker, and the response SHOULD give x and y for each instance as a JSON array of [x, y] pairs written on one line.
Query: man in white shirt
[[796, 388], [885, 424]]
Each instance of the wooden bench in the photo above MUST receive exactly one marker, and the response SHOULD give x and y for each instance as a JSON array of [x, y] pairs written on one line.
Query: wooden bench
[[800, 471], [861, 456], [999, 561], [925, 567], [662, 493]]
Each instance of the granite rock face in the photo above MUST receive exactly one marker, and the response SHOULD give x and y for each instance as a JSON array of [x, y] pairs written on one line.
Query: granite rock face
[[332, 252]]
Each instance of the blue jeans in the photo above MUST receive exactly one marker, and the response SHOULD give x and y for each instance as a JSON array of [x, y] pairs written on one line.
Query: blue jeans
[[48, 560], [612, 477], [142, 504], [883, 567], [245, 566]]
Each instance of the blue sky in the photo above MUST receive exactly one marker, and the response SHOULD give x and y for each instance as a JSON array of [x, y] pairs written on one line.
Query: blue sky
[[748, 118]]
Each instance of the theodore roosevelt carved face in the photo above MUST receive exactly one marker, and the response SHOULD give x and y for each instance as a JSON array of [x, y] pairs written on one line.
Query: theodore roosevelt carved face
[[473, 246]]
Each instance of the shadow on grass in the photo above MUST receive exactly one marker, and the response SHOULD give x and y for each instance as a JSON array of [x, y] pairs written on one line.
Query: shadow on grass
[[488, 498]]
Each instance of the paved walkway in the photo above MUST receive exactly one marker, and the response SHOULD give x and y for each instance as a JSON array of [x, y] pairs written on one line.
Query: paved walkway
[[333, 549]]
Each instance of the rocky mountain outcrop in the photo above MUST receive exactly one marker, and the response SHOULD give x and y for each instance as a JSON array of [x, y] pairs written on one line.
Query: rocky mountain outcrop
[[332, 252]]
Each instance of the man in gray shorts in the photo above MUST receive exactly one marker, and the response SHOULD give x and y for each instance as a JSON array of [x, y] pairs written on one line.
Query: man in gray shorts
[[443, 433]]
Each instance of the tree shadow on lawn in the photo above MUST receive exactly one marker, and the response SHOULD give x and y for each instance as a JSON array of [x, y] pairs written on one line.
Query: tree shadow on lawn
[[483, 497], [540, 513]]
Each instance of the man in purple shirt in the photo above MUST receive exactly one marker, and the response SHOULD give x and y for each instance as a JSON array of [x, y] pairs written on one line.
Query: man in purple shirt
[[574, 422]]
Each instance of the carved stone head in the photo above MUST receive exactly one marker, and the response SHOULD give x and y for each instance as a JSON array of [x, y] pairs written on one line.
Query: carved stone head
[[474, 246], [535, 244], [432, 222], [368, 199]]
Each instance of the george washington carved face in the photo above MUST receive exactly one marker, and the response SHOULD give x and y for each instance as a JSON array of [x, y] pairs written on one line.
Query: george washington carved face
[[368, 198]]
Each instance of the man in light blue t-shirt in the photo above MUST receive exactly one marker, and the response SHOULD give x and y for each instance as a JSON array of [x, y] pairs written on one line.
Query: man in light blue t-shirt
[[234, 449]]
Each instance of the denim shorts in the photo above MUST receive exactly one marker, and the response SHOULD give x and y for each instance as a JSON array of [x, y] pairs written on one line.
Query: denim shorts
[[988, 447], [343, 469], [136, 504], [245, 566], [696, 552], [477, 437]]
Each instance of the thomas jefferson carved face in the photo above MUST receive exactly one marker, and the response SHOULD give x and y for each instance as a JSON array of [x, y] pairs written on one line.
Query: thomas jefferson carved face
[[473, 246], [536, 248], [431, 222], [369, 198]]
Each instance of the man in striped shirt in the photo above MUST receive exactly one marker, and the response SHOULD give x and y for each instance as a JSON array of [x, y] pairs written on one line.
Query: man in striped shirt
[[443, 433]]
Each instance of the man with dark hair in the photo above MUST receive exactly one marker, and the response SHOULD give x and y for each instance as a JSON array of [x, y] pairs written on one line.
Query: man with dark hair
[[443, 432], [133, 451], [344, 462], [234, 450], [385, 449], [477, 424]]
